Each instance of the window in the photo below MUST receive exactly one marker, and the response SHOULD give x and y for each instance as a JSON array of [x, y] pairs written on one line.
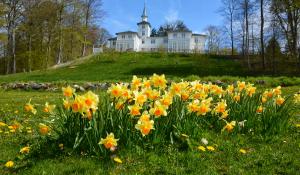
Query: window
[[143, 33], [166, 40], [175, 35], [152, 41], [143, 26], [123, 36], [143, 41], [129, 36], [183, 35], [196, 40], [114, 43]]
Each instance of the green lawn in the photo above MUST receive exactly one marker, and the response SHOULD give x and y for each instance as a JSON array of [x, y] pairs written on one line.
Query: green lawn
[[276, 155], [121, 67]]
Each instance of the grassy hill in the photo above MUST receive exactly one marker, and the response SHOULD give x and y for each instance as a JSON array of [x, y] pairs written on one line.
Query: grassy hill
[[121, 67]]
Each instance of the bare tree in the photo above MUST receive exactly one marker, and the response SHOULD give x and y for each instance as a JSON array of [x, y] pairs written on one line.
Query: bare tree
[[228, 10], [262, 43], [92, 10], [12, 17], [287, 13], [213, 39]]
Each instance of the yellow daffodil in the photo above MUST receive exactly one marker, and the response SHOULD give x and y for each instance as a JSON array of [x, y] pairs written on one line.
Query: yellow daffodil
[[225, 114], [241, 85], [167, 100], [264, 99], [140, 98], [78, 104], [154, 95], [91, 100], [9, 164], [109, 142], [115, 91], [159, 81], [260, 109], [237, 97], [146, 83], [134, 110], [25, 150], [136, 83], [193, 106], [120, 105], [30, 108], [158, 110], [49, 108], [204, 107], [277, 90], [243, 151], [176, 89], [61, 146], [2, 124], [230, 89], [279, 100], [118, 160], [201, 148], [44, 129], [210, 148], [185, 96], [229, 126], [250, 90], [145, 126], [68, 91], [221, 107], [297, 98]]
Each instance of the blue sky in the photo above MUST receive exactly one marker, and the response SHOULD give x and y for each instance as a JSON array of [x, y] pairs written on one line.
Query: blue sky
[[122, 15]]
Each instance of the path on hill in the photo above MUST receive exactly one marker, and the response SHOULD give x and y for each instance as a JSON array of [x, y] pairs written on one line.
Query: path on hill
[[73, 62]]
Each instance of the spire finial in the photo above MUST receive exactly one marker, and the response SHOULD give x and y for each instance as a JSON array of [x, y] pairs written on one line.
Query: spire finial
[[145, 10]]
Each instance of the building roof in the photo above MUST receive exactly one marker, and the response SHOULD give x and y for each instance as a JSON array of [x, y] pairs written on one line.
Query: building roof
[[178, 31], [110, 39], [196, 34], [126, 32], [144, 22]]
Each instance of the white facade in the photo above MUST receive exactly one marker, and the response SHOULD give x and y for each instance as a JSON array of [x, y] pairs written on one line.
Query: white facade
[[176, 41]]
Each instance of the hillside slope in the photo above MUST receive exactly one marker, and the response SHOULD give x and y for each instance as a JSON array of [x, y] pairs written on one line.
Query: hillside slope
[[121, 66]]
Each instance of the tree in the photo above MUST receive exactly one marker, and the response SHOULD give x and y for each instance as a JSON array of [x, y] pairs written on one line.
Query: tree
[[171, 27], [13, 10], [262, 43], [273, 52], [228, 11], [153, 32], [287, 13], [90, 9], [213, 39]]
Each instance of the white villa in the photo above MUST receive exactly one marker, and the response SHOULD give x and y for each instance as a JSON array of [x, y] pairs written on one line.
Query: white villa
[[175, 41]]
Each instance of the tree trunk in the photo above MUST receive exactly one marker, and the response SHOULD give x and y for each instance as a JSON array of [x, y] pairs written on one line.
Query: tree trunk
[[14, 66], [262, 43], [231, 34], [60, 44], [247, 34]]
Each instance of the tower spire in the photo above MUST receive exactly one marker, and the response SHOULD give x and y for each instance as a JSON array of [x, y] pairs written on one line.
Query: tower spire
[[144, 15]]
